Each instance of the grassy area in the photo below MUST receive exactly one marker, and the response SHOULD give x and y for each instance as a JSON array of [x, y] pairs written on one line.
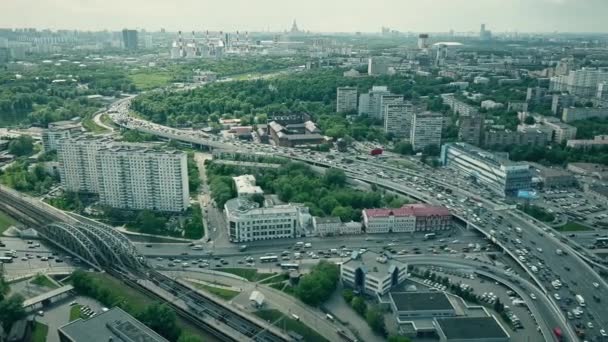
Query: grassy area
[[572, 227], [290, 324], [145, 80], [42, 280], [402, 163], [5, 222], [537, 212], [136, 300], [247, 273], [75, 312], [105, 118], [275, 279], [218, 291], [91, 126], [39, 332]]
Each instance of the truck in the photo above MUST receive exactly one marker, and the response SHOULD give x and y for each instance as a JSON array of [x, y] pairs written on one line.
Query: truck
[[376, 152], [580, 300]]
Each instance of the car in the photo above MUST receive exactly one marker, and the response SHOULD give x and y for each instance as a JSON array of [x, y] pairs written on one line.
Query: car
[[603, 333], [533, 296], [590, 325], [596, 285], [557, 296], [73, 303], [40, 313]]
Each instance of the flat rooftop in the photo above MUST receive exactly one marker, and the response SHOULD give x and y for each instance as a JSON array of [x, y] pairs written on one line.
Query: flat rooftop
[[469, 328], [374, 264], [421, 301], [114, 324]]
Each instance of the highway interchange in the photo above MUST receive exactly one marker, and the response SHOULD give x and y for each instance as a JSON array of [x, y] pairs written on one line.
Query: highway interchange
[[536, 244]]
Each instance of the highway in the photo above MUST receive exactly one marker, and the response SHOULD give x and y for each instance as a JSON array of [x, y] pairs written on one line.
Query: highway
[[570, 269]]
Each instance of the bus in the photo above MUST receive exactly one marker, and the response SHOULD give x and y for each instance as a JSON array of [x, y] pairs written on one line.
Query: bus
[[287, 266], [6, 260], [269, 258], [601, 241], [430, 236]]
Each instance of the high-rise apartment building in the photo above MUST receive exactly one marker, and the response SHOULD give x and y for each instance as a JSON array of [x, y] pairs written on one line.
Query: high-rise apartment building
[[398, 120], [346, 99], [369, 104], [386, 100], [129, 39], [125, 176], [426, 130], [470, 129], [583, 82], [378, 66], [59, 130]]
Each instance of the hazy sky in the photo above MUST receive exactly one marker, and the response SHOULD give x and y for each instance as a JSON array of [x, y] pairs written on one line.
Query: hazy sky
[[314, 15]]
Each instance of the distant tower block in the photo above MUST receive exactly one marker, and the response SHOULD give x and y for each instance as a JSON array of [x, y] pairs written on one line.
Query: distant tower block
[[423, 41]]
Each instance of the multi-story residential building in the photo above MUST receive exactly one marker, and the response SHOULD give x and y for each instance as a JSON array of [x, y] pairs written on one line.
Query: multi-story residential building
[[125, 176], [378, 66], [245, 186], [523, 136], [458, 106], [470, 128], [78, 164], [129, 39], [372, 273], [386, 100], [561, 101], [426, 130], [369, 104], [248, 222], [583, 82], [561, 132], [535, 95], [398, 119], [59, 130], [501, 175], [597, 141], [346, 99], [139, 177], [582, 113], [407, 219]]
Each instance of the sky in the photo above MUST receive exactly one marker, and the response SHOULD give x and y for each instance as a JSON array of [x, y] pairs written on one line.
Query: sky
[[313, 15]]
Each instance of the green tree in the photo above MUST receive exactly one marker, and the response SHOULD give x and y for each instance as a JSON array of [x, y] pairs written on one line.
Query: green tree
[[335, 177], [375, 319], [11, 310], [348, 295], [22, 146], [404, 148], [189, 338], [529, 120], [318, 285], [161, 319], [259, 199], [398, 338], [147, 222], [359, 305]]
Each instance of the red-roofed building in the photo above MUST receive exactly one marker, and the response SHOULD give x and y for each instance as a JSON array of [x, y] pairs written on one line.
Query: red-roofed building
[[409, 218]]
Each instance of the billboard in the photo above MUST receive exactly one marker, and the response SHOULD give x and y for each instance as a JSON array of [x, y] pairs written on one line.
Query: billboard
[[527, 194]]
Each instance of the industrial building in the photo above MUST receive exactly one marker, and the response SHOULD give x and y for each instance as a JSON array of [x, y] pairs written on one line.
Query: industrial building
[[407, 219], [112, 325], [413, 305], [372, 273], [499, 174]]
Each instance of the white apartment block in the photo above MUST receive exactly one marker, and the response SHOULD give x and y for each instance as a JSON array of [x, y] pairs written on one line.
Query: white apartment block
[[583, 82], [386, 100], [125, 176], [426, 130], [372, 273], [143, 178], [346, 99], [398, 119], [245, 186], [457, 106], [57, 131], [248, 222], [369, 104]]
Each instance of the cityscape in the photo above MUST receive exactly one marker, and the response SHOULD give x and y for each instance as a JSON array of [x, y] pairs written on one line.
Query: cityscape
[[295, 175]]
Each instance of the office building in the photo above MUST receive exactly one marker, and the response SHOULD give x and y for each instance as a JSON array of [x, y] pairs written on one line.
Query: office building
[[597, 141], [140, 177], [423, 41], [552, 177], [407, 219], [59, 130], [470, 329], [370, 103], [484, 34], [426, 130], [408, 306], [129, 39], [523, 136], [583, 113], [470, 128], [501, 175], [598, 171], [245, 186], [247, 221], [346, 99], [372, 273], [112, 325], [398, 120], [125, 176]]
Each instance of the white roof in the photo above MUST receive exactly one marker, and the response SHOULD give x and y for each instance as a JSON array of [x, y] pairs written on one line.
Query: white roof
[[257, 297]]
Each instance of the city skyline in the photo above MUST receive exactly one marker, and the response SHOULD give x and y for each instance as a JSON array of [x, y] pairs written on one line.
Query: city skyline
[[314, 15]]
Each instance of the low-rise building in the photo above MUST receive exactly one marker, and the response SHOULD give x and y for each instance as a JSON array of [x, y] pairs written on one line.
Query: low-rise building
[[413, 305], [582, 113], [289, 130], [327, 226], [372, 273], [552, 177], [470, 329], [409, 218], [598, 171], [247, 221], [597, 141], [112, 325], [489, 104], [499, 174], [597, 192], [245, 186]]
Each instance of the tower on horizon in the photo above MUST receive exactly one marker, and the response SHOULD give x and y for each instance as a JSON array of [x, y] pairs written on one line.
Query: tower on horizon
[[294, 27]]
